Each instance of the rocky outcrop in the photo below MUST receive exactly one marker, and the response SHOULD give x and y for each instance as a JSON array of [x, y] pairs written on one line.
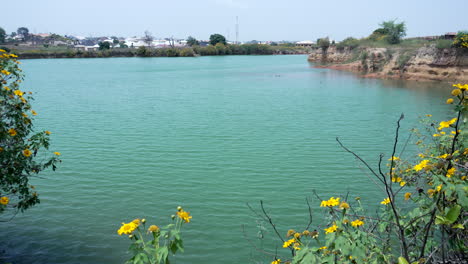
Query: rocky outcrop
[[426, 63]]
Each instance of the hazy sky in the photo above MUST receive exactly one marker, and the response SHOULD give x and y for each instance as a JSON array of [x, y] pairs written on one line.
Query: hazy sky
[[258, 19]]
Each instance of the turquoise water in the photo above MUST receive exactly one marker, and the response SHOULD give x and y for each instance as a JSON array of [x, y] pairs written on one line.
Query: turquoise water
[[140, 136]]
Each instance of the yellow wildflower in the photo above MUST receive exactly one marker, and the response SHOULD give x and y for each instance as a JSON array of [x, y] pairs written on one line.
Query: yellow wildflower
[[12, 132], [153, 228], [436, 135], [330, 203], [57, 153], [439, 187], [449, 101], [394, 158], [357, 223], [289, 242], [322, 248], [5, 72], [386, 201], [136, 221], [276, 261], [1, 50], [331, 229], [445, 124], [450, 172], [4, 200], [444, 156], [47, 132], [421, 155], [428, 115], [402, 183], [297, 235], [456, 92], [290, 232], [33, 112], [6, 88], [344, 205], [431, 192], [127, 228], [296, 246], [18, 93], [184, 216], [421, 165], [407, 196], [306, 233], [27, 152]]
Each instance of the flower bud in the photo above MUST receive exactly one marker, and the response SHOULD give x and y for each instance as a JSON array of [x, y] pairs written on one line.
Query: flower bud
[[179, 208]]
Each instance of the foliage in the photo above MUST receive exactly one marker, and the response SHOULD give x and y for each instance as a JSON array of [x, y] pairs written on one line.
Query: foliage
[[443, 43], [187, 52], [324, 43], [143, 51], [422, 215], [191, 41], [148, 38], [161, 242], [2, 35], [21, 150], [349, 42], [217, 38], [104, 45], [403, 59], [461, 40], [23, 31], [394, 32]]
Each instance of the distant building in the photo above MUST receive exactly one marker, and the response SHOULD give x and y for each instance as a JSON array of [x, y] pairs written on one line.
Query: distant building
[[305, 43], [450, 35]]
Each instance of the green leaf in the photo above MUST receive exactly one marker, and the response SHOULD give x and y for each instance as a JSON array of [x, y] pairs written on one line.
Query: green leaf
[[402, 260], [453, 214], [460, 226], [440, 220]]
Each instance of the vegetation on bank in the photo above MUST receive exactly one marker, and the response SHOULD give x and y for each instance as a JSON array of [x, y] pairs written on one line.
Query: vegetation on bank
[[218, 49]]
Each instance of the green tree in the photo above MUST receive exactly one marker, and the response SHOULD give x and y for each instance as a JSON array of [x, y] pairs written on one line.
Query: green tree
[[394, 31], [324, 43], [191, 41], [23, 31], [21, 148], [2, 35], [104, 45], [217, 38]]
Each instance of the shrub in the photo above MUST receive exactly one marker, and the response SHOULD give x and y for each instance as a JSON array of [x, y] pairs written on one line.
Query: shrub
[[422, 215], [187, 52], [443, 43], [461, 40], [350, 42], [20, 146]]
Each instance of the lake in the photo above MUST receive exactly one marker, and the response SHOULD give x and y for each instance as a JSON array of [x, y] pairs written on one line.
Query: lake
[[140, 136]]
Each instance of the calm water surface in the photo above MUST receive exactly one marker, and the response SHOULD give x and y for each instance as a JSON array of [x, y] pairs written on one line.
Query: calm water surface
[[140, 136]]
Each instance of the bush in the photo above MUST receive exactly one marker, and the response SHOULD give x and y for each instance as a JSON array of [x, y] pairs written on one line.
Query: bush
[[187, 52], [324, 43], [19, 145], [461, 40], [350, 42], [443, 43], [143, 51]]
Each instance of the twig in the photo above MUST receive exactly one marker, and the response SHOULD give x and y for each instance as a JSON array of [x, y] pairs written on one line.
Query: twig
[[310, 214]]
